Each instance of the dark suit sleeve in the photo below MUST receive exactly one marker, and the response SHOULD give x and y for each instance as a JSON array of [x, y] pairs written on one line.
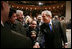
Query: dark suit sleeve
[[22, 29], [63, 34], [41, 29], [13, 39], [28, 32]]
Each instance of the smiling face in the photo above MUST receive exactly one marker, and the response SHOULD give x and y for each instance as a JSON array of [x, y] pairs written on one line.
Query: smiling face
[[33, 35], [19, 15], [46, 18], [13, 17]]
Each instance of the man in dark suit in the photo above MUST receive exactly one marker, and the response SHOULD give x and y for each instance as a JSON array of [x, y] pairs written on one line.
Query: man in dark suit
[[63, 24], [13, 39], [40, 35], [53, 32], [9, 37]]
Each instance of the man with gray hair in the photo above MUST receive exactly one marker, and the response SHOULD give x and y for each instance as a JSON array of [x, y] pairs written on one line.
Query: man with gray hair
[[52, 31], [19, 15]]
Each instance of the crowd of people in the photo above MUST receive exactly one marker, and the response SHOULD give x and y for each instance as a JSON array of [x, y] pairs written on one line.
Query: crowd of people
[[19, 31]]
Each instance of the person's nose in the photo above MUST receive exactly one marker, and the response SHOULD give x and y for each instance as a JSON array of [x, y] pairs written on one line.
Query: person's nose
[[15, 17]]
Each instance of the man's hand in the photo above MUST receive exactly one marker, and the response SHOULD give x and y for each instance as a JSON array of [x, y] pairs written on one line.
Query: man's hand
[[36, 45], [65, 46]]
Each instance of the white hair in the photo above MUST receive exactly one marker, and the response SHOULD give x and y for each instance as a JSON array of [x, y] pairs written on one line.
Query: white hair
[[18, 12], [47, 13], [56, 16], [27, 16]]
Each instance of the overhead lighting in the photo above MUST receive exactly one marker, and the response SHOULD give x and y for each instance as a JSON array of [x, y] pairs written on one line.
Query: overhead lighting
[[12, 6], [22, 7], [31, 8], [46, 8], [53, 7], [35, 8], [26, 7], [17, 7], [40, 3], [24, 1], [49, 8], [57, 6], [61, 5]]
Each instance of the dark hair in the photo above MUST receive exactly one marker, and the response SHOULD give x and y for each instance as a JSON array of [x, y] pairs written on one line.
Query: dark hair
[[62, 18], [12, 11]]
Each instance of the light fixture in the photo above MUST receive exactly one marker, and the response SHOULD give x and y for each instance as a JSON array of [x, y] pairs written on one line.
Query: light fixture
[[57, 6], [46, 8], [22, 7], [26, 7], [40, 3], [61, 5], [17, 7], [12, 6], [49, 8], [31, 8], [53, 7], [35, 8]]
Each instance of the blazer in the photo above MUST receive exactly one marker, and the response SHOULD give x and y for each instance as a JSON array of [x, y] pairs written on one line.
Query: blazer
[[63, 25], [54, 38], [13, 39]]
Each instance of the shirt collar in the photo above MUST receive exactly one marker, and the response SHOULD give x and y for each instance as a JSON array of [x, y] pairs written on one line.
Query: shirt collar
[[2, 23], [50, 21]]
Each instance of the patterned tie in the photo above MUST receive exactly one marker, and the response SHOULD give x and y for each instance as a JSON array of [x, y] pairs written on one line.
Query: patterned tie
[[50, 26]]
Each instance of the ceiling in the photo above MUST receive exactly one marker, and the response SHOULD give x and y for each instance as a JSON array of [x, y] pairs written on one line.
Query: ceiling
[[57, 7], [36, 3]]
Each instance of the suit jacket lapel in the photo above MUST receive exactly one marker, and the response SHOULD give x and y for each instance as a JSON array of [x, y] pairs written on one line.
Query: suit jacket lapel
[[52, 26]]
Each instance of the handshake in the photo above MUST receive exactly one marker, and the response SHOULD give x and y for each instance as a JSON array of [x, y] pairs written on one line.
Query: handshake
[[36, 45]]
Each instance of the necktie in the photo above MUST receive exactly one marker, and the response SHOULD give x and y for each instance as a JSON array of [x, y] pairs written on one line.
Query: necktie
[[50, 27]]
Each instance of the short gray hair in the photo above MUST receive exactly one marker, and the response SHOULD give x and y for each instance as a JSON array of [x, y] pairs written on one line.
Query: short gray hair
[[18, 12], [47, 13], [56, 16]]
